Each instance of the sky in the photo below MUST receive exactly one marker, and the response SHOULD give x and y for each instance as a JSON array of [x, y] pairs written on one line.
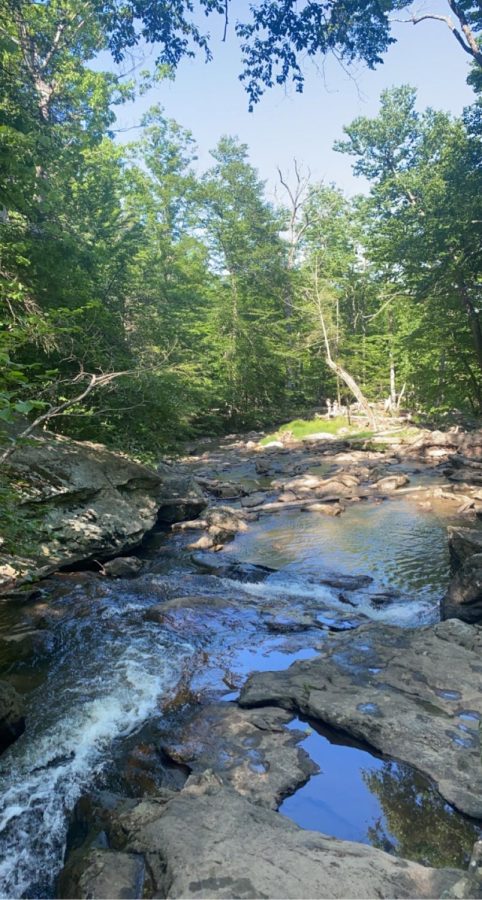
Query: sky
[[208, 99]]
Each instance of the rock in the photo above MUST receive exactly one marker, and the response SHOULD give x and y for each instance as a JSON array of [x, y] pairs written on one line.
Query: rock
[[319, 436], [208, 841], [224, 567], [12, 721], [103, 873], [223, 523], [225, 490], [254, 499], [249, 750], [122, 567], [463, 599], [93, 502], [412, 694], [274, 445], [463, 543], [391, 483], [346, 582], [329, 509]]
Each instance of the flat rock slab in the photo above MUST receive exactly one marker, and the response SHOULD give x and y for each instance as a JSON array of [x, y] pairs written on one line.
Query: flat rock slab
[[415, 695], [209, 842], [250, 750]]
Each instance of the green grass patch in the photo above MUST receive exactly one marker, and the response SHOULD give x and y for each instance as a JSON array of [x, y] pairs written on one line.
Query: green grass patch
[[300, 428]]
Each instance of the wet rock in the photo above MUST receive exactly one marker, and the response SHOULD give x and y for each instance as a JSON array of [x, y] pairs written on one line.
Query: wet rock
[[12, 721], [254, 499], [319, 436], [415, 695], [463, 599], [391, 483], [463, 543], [223, 523], [122, 567], [224, 567], [103, 874], [328, 509], [225, 490], [346, 582], [209, 841], [249, 750]]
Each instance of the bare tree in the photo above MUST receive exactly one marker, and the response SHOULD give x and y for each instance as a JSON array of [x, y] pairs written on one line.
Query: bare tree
[[332, 364]]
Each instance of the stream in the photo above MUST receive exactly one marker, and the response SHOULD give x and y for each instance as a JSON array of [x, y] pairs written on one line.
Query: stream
[[99, 668]]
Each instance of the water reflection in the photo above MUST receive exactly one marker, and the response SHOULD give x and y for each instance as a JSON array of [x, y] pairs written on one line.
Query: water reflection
[[359, 796], [425, 828]]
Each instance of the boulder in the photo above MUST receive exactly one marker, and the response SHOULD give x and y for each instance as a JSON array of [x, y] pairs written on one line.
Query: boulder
[[209, 841], [415, 695], [12, 721], [93, 503], [463, 599]]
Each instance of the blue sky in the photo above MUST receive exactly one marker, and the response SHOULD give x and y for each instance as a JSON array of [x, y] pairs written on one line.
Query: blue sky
[[209, 100]]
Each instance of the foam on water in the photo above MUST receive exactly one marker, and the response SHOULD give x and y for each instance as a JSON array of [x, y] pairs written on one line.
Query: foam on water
[[86, 703]]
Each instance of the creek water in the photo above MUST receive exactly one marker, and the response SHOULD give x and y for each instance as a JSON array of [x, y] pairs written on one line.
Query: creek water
[[98, 668]]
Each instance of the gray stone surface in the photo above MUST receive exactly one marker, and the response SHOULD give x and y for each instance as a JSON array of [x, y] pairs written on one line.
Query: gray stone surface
[[94, 502], [250, 750], [415, 695], [103, 874], [210, 842]]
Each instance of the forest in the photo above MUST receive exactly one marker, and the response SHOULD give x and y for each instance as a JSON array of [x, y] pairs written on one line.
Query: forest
[[143, 301]]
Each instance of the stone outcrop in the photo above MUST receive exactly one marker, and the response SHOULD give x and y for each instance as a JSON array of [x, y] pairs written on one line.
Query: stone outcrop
[[415, 695], [209, 841], [93, 503], [463, 599]]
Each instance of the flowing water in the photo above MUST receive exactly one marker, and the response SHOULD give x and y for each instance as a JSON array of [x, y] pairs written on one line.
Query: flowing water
[[101, 669]]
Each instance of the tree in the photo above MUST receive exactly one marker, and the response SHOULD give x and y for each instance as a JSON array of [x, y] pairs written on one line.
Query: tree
[[248, 327], [423, 225]]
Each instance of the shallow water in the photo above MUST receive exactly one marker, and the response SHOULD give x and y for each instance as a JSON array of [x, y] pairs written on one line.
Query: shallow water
[[102, 671], [358, 796], [399, 545]]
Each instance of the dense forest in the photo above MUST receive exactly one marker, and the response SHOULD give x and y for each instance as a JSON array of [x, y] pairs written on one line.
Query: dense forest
[[143, 301]]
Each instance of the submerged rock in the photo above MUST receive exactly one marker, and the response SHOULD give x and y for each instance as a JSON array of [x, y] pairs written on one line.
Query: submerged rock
[[12, 721], [415, 695]]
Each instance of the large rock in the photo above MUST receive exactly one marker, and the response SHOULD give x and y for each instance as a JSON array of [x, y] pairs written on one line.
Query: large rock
[[210, 842], [249, 750], [415, 695], [463, 599], [12, 721], [92, 502]]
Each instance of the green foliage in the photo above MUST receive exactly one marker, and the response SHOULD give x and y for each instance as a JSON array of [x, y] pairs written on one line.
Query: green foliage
[[300, 428], [120, 259]]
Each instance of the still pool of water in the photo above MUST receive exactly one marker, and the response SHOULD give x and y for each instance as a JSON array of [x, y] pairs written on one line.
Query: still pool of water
[[358, 796]]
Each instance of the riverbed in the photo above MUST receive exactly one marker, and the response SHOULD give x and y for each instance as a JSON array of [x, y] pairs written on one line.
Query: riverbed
[[101, 666]]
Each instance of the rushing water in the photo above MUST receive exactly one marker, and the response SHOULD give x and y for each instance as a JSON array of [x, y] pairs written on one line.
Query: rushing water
[[105, 668]]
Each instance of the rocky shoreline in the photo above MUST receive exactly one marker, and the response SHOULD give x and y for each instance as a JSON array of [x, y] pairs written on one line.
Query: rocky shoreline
[[413, 694]]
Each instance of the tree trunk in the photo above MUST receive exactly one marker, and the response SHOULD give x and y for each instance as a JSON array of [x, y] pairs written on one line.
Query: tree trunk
[[474, 320]]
